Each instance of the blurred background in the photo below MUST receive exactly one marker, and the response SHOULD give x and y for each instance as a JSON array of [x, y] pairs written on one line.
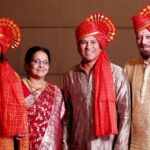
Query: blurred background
[[51, 24]]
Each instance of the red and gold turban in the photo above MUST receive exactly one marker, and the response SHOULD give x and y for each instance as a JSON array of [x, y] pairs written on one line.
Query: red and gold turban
[[102, 28], [97, 24], [142, 20], [9, 34]]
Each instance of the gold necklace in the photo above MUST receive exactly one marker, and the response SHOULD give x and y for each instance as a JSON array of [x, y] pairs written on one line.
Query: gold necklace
[[36, 87]]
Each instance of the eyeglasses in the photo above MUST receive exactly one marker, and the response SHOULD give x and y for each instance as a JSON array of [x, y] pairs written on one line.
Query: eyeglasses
[[38, 62]]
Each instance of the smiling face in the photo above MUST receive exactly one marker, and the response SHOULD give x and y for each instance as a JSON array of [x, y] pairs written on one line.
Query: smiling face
[[89, 49], [143, 42], [39, 65]]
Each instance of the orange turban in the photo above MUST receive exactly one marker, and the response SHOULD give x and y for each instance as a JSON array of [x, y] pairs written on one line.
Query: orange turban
[[102, 28], [9, 34], [142, 20]]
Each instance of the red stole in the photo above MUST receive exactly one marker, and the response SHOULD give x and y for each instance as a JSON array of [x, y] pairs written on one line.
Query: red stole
[[105, 100]]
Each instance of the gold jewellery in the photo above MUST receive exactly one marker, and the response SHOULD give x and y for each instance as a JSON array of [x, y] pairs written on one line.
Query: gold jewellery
[[41, 86]]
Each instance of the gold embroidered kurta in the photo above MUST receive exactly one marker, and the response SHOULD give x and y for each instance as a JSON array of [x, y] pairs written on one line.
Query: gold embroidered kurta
[[79, 127], [139, 76]]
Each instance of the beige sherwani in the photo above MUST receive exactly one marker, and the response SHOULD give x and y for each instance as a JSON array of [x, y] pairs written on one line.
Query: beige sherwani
[[139, 76], [79, 127]]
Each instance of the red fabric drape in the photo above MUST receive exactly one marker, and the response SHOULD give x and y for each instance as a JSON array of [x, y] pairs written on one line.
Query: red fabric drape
[[12, 107], [105, 100]]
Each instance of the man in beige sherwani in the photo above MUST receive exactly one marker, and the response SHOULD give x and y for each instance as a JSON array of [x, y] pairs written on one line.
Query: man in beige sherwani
[[96, 92], [138, 71]]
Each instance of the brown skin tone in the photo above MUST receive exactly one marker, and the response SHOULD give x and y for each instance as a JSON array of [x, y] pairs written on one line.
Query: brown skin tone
[[37, 70], [143, 42], [89, 49]]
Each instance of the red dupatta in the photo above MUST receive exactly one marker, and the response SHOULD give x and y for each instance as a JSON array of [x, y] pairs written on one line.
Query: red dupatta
[[12, 106], [105, 100]]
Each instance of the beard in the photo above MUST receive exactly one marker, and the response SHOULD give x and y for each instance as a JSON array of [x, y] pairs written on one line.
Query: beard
[[145, 53]]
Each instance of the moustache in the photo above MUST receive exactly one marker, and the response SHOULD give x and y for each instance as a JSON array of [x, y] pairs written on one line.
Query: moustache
[[144, 46]]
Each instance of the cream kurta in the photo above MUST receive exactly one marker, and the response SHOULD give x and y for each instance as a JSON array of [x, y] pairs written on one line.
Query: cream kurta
[[139, 76], [78, 91]]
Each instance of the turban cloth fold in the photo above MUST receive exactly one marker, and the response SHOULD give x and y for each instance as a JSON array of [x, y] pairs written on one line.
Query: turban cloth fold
[[9, 34], [142, 19]]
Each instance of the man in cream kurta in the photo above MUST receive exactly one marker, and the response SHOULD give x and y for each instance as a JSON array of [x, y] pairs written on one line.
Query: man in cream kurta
[[138, 71]]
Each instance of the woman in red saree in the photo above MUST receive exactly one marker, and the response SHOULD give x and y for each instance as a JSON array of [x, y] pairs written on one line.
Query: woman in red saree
[[44, 101]]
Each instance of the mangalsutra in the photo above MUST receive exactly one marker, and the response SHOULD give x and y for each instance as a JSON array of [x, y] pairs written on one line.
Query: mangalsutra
[[42, 85], [35, 92]]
